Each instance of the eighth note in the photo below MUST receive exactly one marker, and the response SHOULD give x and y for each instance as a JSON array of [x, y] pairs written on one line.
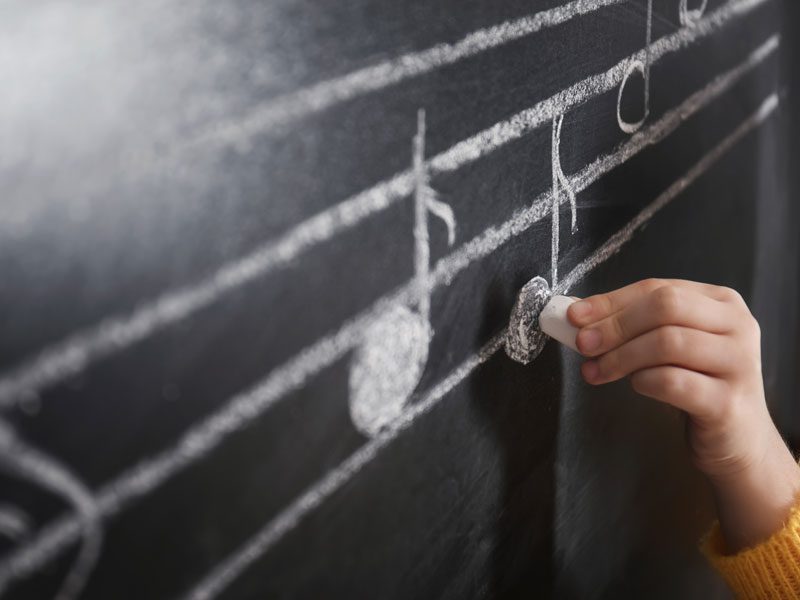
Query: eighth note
[[389, 362], [690, 17], [560, 185], [644, 69]]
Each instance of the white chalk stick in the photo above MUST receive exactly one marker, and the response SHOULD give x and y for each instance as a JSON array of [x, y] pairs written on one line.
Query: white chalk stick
[[554, 321]]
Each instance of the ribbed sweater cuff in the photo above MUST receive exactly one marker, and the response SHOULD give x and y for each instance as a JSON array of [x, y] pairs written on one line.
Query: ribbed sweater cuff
[[770, 570]]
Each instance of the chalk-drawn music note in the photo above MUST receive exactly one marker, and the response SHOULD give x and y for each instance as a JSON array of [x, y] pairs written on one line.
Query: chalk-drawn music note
[[689, 16], [561, 185], [33, 466], [644, 69], [389, 362]]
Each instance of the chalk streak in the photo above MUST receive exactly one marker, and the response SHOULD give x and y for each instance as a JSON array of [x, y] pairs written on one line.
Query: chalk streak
[[290, 517], [495, 236], [15, 524], [230, 569], [286, 109], [18, 457], [74, 354], [613, 245], [202, 438]]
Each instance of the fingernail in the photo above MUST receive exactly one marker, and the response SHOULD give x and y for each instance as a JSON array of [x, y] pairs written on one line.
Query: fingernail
[[589, 340], [590, 370], [580, 309]]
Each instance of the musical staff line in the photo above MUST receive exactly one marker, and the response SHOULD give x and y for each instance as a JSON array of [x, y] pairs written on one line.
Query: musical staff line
[[70, 356], [203, 437], [619, 239], [293, 106], [230, 569]]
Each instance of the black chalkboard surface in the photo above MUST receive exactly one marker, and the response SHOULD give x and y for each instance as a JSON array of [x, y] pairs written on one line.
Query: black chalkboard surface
[[257, 261]]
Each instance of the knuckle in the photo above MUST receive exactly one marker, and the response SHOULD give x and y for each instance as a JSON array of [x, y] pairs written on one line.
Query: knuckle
[[748, 328], [618, 331], [651, 284], [753, 328], [602, 304], [668, 303], [731, 295]]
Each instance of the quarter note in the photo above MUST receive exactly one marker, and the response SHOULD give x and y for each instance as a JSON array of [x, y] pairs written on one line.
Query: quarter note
[[389, 362]]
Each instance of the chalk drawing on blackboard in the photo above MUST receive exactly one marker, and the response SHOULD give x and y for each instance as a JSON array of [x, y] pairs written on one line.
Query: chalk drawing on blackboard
[[561, 185], [46, 473], [643, 67], [388, 363], [691, 16], [278, 113], [524, 339], [142, 478], [15, 524], [68, 357], [214, 584], [145, 477]]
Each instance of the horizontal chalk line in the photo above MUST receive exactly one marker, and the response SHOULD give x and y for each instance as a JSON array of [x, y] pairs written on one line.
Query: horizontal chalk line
[[239, 410], [288, 108], [226, 572], [289, 518], [76, 353], [613, 245]]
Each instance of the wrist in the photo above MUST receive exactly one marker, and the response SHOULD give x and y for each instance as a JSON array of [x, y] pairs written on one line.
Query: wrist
[[754, 502]]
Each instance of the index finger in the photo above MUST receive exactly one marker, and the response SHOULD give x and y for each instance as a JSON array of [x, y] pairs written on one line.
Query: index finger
[[599, 306]]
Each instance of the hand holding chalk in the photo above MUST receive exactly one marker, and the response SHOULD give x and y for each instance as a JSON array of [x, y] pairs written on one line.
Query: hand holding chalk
[[697, 347]]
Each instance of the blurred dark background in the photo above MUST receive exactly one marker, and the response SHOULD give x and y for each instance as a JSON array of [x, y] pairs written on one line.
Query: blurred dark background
[[787, 408]]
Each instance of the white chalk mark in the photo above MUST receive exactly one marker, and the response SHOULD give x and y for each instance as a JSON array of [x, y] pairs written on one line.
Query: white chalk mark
[[425, 201], [238, 411], [524, 336], [560, 184], [389, 362], [29, 463], [287, 109], [643, 66], [555, 209], [613, 245], [15, 524], [289, 518], [387, 367], [690, 17], [66, 358]]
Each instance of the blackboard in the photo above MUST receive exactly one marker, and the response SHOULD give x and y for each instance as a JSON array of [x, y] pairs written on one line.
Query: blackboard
[[258, 261]]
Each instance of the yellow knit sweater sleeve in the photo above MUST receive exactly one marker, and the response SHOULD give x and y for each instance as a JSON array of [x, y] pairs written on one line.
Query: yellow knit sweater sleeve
[[770, 570]]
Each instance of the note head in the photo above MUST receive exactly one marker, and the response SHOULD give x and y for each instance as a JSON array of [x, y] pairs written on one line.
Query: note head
[[524, 337]]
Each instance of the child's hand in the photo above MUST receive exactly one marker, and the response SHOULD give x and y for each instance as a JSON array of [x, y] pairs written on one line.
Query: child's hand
[[692, 345], [697, 347]]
